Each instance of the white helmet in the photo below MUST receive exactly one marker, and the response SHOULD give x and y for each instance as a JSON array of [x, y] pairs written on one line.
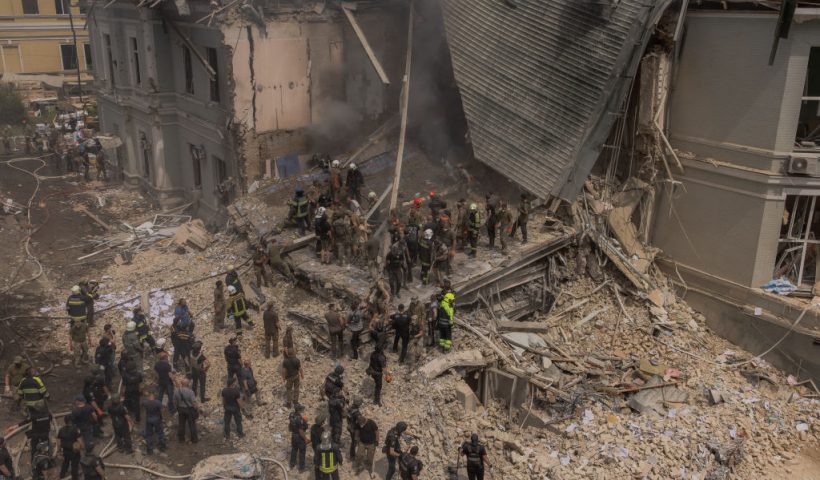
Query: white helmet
[[75, 289], [473, 206], [335, 163], [428, 234], [161, 342], [130, 326], [231, 289], [231, 268], [352, 166], [320, 212], [371, 195]]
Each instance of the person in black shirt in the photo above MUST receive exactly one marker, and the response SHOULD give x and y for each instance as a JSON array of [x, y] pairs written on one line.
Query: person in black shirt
[[336, 408], [367, 436], [164, 382], [392, 447], [233, 358], [40, 421], [153, 424], [376, 369], [410, 466], [476, 456], [199, 370], [69, 436], [248, 383], [84, 417], [353, 424], [297, 424], [316, 431], [122, 424], [104, 356], [96, 394], [132, 382], [6, 463], [401, 324], [232, 404]]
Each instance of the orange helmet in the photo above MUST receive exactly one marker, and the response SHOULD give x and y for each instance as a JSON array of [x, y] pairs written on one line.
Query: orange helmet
[[417, 202], [432, 194]]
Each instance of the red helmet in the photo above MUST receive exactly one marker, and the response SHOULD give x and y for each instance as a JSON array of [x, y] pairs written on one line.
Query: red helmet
[[417, 202], [432, 194]]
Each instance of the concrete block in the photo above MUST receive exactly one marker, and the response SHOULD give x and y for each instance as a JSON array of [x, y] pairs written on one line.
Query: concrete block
[[466, 397]]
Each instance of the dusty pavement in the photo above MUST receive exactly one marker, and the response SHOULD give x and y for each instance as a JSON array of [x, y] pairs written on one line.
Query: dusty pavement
[[763, 429]]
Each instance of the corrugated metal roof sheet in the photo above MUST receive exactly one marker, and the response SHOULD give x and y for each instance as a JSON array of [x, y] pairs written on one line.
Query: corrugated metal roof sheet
[[540, 83]]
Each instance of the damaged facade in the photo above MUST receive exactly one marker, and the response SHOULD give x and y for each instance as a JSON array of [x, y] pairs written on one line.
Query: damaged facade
[[209, 100]]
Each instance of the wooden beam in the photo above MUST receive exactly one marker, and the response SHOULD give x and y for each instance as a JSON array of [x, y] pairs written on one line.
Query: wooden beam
[[363, 40], [531, 327], [405, 100], [210, 71]]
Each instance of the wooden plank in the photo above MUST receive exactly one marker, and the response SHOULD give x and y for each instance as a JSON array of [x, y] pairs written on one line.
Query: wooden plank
[[95, 218], [405, 101], [531, 327], [363, 40]]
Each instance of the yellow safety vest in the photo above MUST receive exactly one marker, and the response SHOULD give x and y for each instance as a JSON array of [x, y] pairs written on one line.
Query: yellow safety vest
[[328, 462], [238, 305]]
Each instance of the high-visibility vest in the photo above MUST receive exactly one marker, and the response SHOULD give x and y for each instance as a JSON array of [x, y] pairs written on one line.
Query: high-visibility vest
[[238, 307], [301, 207], [475, 221], [32, 389], [328, 459], [76, 307]]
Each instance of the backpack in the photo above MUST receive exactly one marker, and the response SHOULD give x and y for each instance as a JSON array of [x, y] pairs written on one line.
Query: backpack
[[294, 423], [390, 439], [473, 455]]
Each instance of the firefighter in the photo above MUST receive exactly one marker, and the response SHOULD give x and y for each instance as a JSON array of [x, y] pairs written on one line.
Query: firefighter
[[76, 305], [328, 458], [409, 465], [232, 279], [491, 208], [238, 309], [395, 268], [89, 290], [445, 321], [355, 182], [33, 391], [426, 255], [143, 329], [473, 229], [298, 426], [299, 208]]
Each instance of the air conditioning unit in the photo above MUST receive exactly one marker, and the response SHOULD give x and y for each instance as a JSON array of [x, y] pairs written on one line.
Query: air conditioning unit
[[803, 166]]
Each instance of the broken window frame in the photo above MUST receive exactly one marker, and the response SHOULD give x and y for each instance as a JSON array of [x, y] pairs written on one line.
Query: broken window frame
[[197, 158], [31, 7], [136, 75], [89, 57], [798, 238], [809, 105], [213, 60], [66, 56], [188, 67], [109, 57]]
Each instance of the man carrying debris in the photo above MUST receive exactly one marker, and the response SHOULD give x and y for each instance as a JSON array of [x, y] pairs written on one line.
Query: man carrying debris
[[277, 262], [291, 376], [298, 425], [79, 341], [524, 209], [476, 455], [76, 305], [328, 458], [299, 207], [410, 466], [445, 322], [473, 230], [238, 309], [392, 448], [354, 182], [260, 259], [232, 408], [504, 222], [368, 438], [270, 320], [220, 307], [335, 327]]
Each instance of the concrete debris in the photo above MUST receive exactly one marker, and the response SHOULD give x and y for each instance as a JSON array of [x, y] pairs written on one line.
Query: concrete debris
[[466, 358], [235, 466]]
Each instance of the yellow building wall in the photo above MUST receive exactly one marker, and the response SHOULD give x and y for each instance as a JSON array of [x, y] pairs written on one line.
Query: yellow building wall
[[31, 43]]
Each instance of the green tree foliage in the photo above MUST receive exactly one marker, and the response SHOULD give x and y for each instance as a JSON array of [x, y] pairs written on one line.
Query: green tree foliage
[[12, 111]]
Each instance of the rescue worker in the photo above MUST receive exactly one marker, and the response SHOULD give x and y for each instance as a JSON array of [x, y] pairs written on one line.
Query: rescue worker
[[15, 374], [342, 237], [410, 466], [524, 209], [426, 255], [93, 467], [354, 182], [298, 425], [291, 376], [336, 408], [122, 424], [376, 368], [335, 328], [260, 259], [232, 280], [85, 417], [287, 339], [379, 297], [104, 357], [316, 431], [324, 238], [392, 448], [248, 383], [504, 223], [367, 436], [132, 384], [372, 202], [418, 328], [436, 205], [299, 207], [441, 264], [334, 381], [401, 323], [76, 306], [445, 322], [33, 391], [153, 424], [352, 417], [335, 181], [90, 291], [78, 341], [237, 309], [233, 358], [411, 239], [328, 458], [491, 209], [277, 262], [131, 345], [96, 394], [40, 421], [232, 407], [270, 320], [220, 307], [42, 462], [476, 456], [355, 323], [372, 251], [199, 370], [69, 436], [396, 265], [187, 410], [143, 328], [165, 385], [473, 229], [461, 222], [183, 340]]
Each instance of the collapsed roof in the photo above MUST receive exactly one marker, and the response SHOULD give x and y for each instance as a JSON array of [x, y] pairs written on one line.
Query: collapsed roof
[[542, 81]]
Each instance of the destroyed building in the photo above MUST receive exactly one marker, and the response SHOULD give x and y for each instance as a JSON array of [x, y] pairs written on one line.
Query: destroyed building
[[207, 101]]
